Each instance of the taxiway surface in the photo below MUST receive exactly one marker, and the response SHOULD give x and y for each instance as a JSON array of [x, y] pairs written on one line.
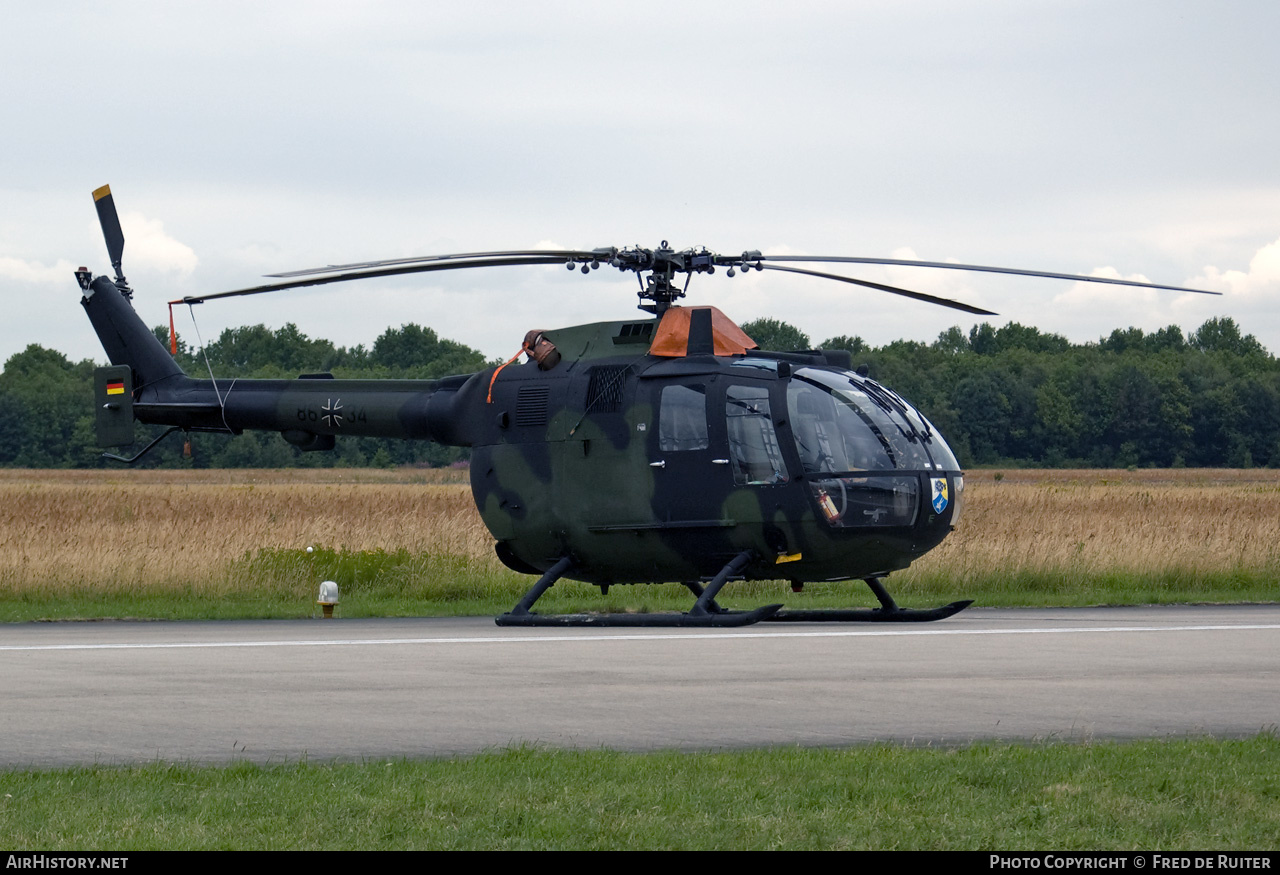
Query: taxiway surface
[[131, 692]]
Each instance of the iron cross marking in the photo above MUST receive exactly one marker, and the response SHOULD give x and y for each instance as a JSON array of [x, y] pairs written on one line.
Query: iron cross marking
[[331, 416]]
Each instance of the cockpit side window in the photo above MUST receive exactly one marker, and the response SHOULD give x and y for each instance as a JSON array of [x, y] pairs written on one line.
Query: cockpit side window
[[875, 433], [754, 453], [682, 418], [824, 442]]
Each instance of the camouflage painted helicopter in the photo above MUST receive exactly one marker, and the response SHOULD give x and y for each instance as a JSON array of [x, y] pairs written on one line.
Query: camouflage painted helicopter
[[666, 448]]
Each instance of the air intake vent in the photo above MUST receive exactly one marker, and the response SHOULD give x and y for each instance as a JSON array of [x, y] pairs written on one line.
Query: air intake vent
[[531, 405], [604, 391], [635, 332]]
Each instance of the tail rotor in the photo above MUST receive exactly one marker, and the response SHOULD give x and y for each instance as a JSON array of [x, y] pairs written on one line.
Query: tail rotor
[[112, 233]]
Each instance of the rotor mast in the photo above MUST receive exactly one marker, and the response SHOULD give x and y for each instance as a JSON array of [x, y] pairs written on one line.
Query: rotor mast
[[655, 270]]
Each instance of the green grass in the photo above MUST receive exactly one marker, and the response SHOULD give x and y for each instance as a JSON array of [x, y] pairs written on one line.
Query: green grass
[[1192, 794], [1171, 795], [379, 583]]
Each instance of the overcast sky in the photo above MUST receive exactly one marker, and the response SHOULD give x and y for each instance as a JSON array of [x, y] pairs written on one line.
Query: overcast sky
[[1137, 139]]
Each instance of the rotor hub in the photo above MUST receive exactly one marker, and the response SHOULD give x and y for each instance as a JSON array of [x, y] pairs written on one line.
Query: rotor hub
[[656, 270]]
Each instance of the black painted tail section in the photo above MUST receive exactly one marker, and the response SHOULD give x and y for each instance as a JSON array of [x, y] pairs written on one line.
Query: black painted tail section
[[125, 337], [309, 413]]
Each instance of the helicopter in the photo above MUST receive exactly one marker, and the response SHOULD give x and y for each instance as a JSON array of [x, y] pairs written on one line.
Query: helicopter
[[665, 448]]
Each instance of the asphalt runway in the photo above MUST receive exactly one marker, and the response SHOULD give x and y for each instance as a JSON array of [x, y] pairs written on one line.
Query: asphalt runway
[[280, 691]]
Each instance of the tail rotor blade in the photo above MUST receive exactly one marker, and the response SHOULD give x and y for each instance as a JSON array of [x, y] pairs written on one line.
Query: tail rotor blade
[[111, 231]]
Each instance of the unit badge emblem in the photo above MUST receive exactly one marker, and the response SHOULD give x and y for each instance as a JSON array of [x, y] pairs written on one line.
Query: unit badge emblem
[[939, 494]]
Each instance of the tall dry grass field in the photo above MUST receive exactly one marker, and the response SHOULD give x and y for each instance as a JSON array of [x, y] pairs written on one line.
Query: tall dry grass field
[[1188, 528], [167, 529], [201, 532]]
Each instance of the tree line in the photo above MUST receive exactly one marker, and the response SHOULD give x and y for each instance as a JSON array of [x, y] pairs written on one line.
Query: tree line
[[49, 416], [1016, 396], [1011, 396]]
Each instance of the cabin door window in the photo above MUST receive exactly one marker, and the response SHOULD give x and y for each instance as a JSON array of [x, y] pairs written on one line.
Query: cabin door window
[[682, 419], [754, 454]]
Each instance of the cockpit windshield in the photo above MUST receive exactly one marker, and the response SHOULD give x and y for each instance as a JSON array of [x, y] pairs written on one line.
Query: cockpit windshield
[[842, 422]]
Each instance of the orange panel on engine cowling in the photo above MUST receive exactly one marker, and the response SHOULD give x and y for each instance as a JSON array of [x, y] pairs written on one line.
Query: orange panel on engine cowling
[[672, 338]]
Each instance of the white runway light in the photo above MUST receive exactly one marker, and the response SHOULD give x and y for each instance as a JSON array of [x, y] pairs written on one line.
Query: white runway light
[[328, 596]]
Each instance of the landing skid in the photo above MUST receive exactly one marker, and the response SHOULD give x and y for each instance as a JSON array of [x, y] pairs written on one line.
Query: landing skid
[[888, 612], [706, 612], [871, 615], [724, 620]]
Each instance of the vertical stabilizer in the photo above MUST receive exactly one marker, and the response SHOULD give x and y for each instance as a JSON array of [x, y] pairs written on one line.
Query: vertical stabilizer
[[125, 337]]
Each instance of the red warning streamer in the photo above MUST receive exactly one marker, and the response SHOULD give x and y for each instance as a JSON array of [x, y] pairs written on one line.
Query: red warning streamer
[[524, 347], [173, 335]]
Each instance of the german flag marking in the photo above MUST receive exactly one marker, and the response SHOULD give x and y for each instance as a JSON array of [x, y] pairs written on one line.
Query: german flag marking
[[116, 387]]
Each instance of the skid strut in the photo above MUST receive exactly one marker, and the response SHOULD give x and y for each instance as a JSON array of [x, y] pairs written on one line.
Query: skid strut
[[888, 612], [705, 611]]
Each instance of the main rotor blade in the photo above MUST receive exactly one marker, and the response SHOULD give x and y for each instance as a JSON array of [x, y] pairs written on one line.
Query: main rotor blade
[[367, 274], [974, 267], [565, 254], [906, 293], [110, 223]]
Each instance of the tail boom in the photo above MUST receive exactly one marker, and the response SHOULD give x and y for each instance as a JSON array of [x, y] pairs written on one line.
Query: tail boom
[[309, 411]]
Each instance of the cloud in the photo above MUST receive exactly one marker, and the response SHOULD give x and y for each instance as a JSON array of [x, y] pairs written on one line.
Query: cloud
[[148, 247], [35, 272], [1107, 294], [1262, 278]]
